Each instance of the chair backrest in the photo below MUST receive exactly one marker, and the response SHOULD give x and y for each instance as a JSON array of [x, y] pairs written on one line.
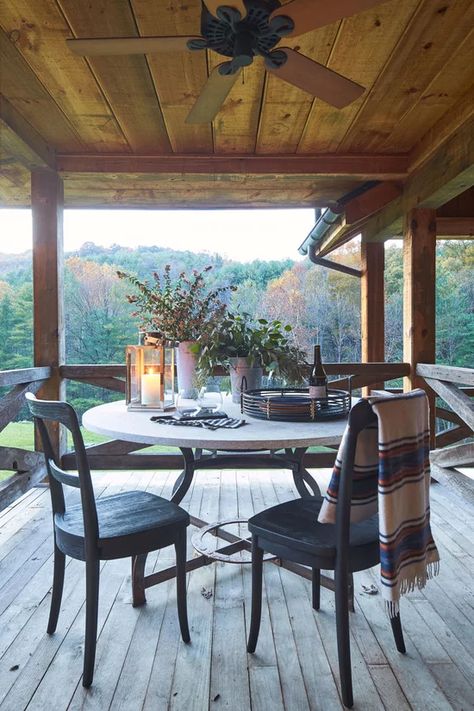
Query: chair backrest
[[64, 414], [360, 417]]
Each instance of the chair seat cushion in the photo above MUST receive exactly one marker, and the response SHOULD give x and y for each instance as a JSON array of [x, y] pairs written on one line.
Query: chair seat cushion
[[129, 523], [291, 531]]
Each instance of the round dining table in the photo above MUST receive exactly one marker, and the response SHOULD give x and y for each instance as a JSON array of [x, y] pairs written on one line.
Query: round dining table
[[257, 444]]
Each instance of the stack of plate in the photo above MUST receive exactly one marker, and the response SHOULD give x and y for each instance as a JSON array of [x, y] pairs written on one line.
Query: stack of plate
[[294, 405]]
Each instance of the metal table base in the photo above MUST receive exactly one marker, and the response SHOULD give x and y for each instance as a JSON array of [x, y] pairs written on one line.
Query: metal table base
[[194, 459]]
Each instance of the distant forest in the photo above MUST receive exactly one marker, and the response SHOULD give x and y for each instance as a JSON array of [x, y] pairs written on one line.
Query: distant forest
[[322, 306]]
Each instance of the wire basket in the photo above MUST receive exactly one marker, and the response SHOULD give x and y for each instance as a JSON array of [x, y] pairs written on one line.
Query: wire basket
[[295, 404]]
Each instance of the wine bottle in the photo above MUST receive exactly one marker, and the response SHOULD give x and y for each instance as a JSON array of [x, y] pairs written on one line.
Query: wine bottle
[[318, 382]]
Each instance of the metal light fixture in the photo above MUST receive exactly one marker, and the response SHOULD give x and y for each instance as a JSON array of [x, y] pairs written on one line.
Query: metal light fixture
[[150, 381]]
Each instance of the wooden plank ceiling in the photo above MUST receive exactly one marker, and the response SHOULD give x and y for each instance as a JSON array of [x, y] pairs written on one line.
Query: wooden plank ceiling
[[415, 58]]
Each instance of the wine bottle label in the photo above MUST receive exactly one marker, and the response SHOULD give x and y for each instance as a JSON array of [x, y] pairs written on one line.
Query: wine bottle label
[[317, 391]]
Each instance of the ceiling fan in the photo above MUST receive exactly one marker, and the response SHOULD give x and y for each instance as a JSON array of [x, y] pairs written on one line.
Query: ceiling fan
[[242, 30]]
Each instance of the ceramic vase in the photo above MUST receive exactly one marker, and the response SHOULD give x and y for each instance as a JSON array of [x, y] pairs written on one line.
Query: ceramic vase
[[186, 369], [244, 376]]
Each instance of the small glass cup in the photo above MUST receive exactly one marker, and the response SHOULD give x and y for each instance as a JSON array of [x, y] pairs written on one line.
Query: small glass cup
[[210, 398], [186, 405]]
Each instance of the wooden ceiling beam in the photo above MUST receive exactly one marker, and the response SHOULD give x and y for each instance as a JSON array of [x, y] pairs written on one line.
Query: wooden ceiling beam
[[455, 227], [363, 167], [460, 206], [21, 140], [449, 172], [362, 206], [447, 126]]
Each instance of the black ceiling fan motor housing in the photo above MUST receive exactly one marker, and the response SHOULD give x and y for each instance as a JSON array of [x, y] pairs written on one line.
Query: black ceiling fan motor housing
[[229, 34]]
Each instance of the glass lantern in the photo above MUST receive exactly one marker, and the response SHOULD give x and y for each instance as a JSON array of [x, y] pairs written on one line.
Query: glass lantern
[[150, 381]]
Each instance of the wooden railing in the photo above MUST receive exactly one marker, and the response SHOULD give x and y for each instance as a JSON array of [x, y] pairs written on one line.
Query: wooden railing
[[447, 382], [27, 467], [118, 454]]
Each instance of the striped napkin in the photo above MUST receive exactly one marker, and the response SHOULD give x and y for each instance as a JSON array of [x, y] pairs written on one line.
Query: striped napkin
[[214, 424], [391, 475]]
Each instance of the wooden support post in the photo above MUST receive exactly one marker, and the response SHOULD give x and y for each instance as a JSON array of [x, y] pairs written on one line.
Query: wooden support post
[[47, 202], [419, 316], [372, 296]]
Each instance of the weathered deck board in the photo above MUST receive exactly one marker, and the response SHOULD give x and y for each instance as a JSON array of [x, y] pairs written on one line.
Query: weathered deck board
[[143, 664]]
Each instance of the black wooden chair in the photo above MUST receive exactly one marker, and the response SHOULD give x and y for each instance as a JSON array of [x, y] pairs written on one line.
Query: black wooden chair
[[291, 532], [118, 526]]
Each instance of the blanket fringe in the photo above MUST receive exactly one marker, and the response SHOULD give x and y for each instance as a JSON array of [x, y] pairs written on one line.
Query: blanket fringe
[[409, 583]]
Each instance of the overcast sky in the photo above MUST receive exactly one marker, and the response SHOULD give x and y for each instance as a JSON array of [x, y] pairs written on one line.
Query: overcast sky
[[237, 234]]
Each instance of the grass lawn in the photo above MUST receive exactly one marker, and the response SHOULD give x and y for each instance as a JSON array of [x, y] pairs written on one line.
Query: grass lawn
[[20, 434]]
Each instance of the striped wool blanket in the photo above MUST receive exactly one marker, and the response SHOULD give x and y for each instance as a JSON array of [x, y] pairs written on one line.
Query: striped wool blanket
[[391, 475]]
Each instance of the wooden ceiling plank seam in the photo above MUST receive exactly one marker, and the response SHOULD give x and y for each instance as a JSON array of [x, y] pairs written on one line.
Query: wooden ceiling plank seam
[[178, 77], [316, 99], [213, 128], [46, 91], [401, 64], [147, 63], [236, 122], [39, 30], [260, 110], [414, 110], [286, 107], [326, 126], [19, 61], [27, 134], [447, 125], [109, 103], [121, 78], [260, 114], [384, 69], [152, 80], [99, 88]]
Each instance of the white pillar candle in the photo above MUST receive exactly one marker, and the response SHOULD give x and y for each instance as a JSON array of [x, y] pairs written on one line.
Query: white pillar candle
[[151, 386]]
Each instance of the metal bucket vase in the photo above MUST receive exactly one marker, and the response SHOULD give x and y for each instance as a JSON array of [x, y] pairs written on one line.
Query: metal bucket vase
[[186, 369], [242, 372]]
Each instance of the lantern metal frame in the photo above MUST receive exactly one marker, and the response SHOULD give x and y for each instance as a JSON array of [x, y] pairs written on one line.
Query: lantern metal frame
[[153, 358]]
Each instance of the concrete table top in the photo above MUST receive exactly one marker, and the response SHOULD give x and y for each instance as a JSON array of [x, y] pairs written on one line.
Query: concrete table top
[[115, 421]]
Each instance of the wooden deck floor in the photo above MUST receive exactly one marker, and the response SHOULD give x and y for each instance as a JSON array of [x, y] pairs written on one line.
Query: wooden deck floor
[[142, 664]]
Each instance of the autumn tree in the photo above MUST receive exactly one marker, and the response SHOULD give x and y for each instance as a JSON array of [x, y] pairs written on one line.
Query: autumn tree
[[98, 320]]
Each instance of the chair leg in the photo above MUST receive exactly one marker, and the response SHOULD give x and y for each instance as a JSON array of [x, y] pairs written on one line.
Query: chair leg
[[57, 592], [398, 633], [92, 605], [343, 638], [180, 548], [138, 574], [351, 592], [316, 588], [257, 571]]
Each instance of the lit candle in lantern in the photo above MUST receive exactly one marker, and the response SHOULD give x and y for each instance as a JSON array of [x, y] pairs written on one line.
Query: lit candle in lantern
[[151, 387]]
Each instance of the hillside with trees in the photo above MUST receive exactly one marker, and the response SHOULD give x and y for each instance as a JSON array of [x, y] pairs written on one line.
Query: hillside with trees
[[323, 306]]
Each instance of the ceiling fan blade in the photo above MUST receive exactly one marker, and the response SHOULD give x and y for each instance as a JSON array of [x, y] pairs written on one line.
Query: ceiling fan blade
[[316, 79], [212, 5], [212, 96], [128, 45], [309, 15]]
